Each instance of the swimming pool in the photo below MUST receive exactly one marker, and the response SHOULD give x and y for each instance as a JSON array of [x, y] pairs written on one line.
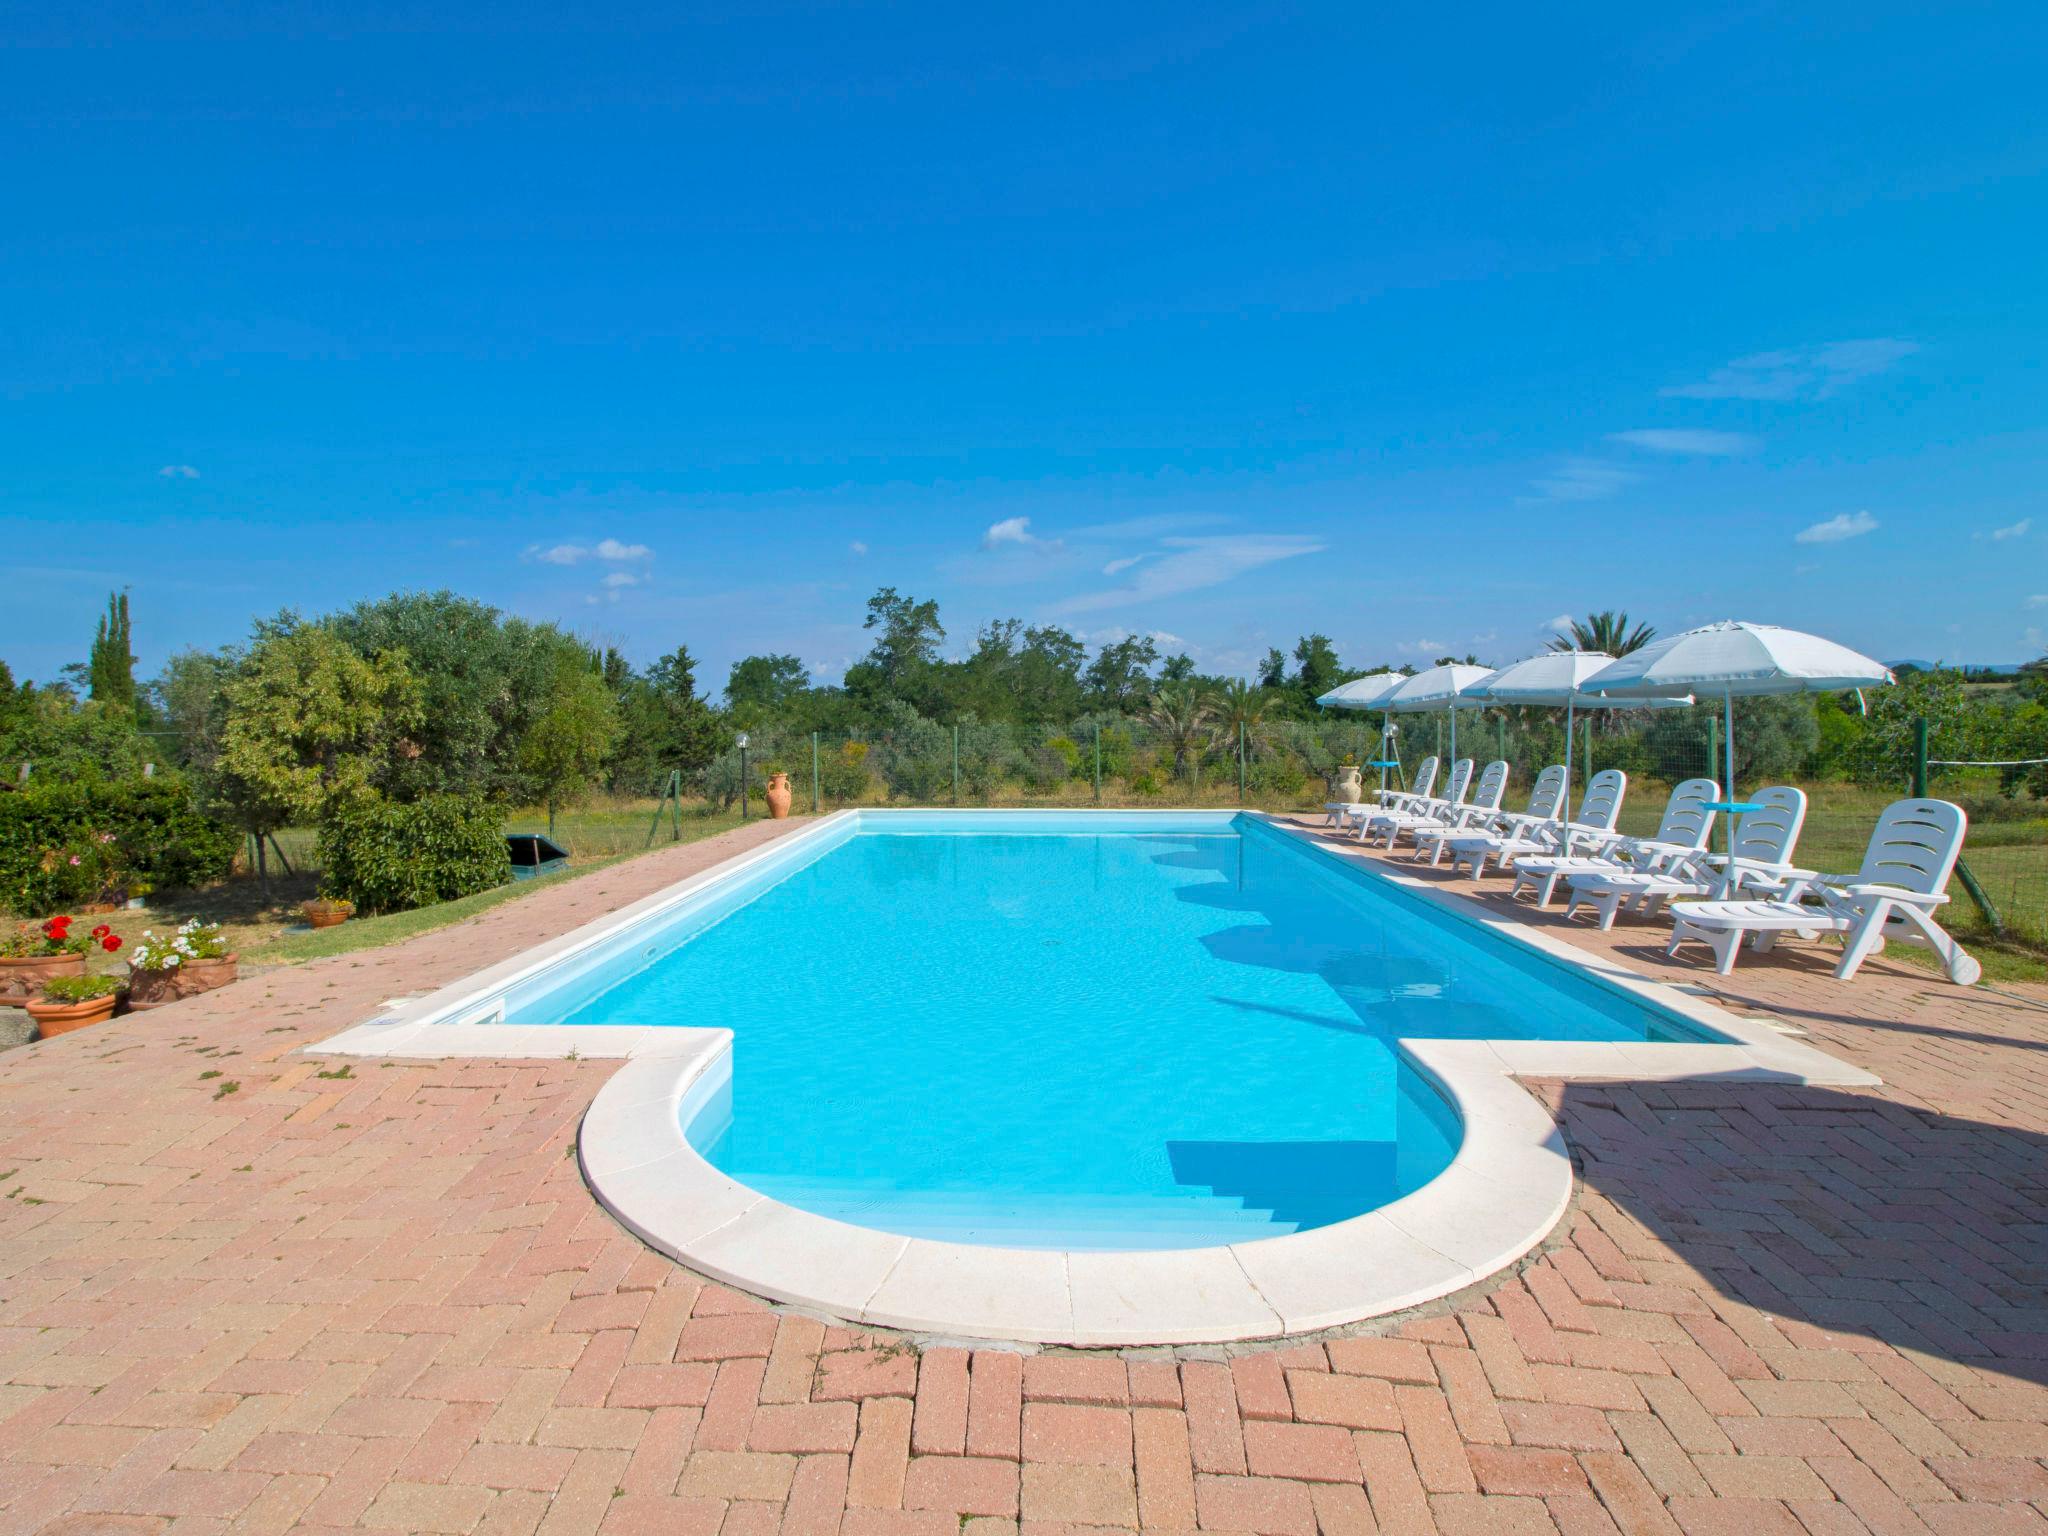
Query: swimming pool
[[1076, 1032]]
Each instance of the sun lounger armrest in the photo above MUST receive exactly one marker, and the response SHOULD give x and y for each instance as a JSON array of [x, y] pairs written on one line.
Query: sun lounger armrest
[[1897, 893]]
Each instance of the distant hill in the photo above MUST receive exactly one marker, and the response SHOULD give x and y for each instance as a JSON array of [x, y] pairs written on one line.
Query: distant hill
[[1993, 668]]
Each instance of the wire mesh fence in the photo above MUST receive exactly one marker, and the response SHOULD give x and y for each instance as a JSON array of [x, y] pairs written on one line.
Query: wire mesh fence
[[1292, 766]]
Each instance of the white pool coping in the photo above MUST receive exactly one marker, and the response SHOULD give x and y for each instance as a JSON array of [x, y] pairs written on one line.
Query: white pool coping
[[1505, 1189]]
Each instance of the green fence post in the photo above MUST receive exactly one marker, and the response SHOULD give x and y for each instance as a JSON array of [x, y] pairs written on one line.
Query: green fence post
[[1098, 762], [675, 805], [956, 766], [1240, 762], [815, 803], [1964, 873]]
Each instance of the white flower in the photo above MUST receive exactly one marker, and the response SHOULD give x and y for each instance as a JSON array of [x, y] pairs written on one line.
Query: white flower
[[170, 961]]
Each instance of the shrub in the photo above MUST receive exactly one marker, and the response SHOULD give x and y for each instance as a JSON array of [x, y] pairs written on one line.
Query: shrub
[[391, 857], [843, 775], [81, 989], [160, 840]]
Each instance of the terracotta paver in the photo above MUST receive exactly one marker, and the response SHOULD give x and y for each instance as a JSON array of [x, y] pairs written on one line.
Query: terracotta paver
[[384, 1301]]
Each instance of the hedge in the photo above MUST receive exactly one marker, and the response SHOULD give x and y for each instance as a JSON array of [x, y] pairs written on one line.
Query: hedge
[[161, 840], [387, 856]]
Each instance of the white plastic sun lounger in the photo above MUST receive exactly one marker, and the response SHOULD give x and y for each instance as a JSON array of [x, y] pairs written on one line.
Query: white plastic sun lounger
[[1344, 812], [1592, 828], [1764, 840], [1895, 894], [1475, 812], [1682, 830], [1542, 807], [1388, 824]]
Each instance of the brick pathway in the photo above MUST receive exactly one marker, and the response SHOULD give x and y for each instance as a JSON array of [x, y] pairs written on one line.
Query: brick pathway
[[240, 1292]]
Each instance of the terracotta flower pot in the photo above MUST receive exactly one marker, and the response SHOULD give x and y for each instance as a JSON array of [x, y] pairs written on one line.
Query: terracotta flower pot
[[151, 989], [778, 795], [196, 976], [22, 976], [325, 914], [62, 1018]]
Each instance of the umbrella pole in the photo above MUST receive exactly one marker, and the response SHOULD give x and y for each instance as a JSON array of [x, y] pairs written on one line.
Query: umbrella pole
[[1728, 760], [1454, 738], [1564, 800]]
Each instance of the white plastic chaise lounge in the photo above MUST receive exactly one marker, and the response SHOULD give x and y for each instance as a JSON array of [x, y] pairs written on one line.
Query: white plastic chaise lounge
[[1764, 840], [1543, 801], [1682, 830], [1593, 827], [1344, 812], [1903, 880], [1478, 810], [1389, 824]]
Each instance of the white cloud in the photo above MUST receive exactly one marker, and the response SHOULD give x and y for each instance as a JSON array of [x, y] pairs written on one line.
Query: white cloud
[[1015, 533], [1583, 480], [1421, 647], [575, 554], [1190, 564], [1798, 373], [1717, 445], [179, 472], [856, 548], [617, 579], [1165, 637], [2016, 530], [1121, 565], [1558, 625], [2038, 600], [1843, 525]]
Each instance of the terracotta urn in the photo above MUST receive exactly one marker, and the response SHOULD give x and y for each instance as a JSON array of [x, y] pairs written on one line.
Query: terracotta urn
[[325, 914], [22, 976], [778, 795], [1345, 784], [61, 1018]]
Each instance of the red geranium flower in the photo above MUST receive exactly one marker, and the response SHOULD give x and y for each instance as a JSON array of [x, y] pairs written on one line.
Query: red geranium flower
[[57, 926], [102, 931], [111, 942]]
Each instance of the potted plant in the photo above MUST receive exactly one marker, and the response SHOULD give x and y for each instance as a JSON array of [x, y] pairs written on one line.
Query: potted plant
[[195, 959], [777, 792], [326, 911], [72, 1002], [35, 952]]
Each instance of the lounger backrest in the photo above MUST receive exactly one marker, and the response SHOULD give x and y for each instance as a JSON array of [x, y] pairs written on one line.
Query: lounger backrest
[[1549, 785], [1425, 777], [1687, 821], [1461, 780], [1768, 834], [1493, 784], [1602, 806], [1915, 845]]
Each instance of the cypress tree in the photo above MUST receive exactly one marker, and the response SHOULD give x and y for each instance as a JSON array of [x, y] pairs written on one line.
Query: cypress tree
[[112, 669]]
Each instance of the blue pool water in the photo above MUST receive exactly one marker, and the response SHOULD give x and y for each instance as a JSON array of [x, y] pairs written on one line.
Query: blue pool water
[[1031, 1032]]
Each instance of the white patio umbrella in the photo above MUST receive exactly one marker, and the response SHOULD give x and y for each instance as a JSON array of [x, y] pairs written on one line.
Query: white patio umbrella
[[1445, 688], [1364, 693], [1557, 680], [1737, 658]]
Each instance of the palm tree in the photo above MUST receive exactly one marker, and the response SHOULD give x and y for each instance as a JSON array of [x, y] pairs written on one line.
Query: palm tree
[[1241, 709], [1606, 631], [1184, 715]]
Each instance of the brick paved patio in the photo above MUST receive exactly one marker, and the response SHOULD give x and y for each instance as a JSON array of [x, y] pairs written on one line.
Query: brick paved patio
[[242, 1290]]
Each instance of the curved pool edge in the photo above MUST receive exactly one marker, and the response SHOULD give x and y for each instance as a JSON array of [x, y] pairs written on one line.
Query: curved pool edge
[[1504, 1190]]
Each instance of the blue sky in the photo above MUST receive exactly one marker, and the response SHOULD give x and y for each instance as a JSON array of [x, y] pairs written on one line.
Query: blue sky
[[689, 324]]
